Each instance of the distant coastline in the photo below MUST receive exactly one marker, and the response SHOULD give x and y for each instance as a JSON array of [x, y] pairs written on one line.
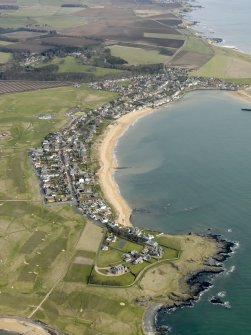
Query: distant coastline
[[212, 32]]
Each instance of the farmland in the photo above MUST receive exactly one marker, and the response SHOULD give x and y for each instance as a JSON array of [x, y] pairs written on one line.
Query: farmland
[[4, 43], [12, 86], [110, 22], [194, 53], [136, 55], [70, 64], [4, 57], [226, 63]]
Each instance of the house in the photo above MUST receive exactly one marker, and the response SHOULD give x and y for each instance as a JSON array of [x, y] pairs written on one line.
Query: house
[[152, 243], [127, 258], [118, 270], [138, 260]]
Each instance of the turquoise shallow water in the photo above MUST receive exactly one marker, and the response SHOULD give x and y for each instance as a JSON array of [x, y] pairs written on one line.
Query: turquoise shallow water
[[188, 169]]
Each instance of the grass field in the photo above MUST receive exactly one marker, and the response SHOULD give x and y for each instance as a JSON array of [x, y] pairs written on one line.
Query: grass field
[[135, 56], [197, 45], [4, 57], [125, 245], [70, 64], [194, 53], [109, 257], [79, 273], [226, 63], [91, 238], [41, 13]]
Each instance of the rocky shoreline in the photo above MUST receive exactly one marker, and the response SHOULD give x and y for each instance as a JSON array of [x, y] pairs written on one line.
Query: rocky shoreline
[[198, 283]]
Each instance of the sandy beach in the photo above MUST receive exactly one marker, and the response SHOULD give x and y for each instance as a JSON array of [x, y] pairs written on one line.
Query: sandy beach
[[244, 94], [108, 164], [21, 326]]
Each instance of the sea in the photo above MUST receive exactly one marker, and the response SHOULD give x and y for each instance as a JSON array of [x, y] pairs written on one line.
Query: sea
[[187, 167], [226, 19]]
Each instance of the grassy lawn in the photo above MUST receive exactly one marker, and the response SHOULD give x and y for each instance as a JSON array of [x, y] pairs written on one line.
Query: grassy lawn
[[109, 257], [71, 64], [4, 57], [226, 63], [169, 242], [137, 268], [125, 245], [78, 273], [170, 253], [165, 36], [135, 56]]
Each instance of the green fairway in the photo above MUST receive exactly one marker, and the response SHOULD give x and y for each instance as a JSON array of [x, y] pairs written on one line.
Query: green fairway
[[135, 56], [109, 257]]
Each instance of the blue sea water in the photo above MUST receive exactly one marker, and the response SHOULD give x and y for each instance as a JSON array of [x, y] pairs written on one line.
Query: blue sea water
[[189, 168], [228, 19]]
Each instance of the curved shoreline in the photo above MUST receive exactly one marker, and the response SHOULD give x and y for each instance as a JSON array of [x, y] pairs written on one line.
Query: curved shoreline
[[108, 163]]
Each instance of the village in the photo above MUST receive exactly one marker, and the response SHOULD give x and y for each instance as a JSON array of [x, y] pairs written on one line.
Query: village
[[64, 164]]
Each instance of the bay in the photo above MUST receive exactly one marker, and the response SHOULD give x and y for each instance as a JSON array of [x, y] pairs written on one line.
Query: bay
[[189, 168], [228, 19]]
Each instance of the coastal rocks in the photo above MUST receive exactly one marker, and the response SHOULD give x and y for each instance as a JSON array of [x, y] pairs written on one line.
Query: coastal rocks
[[163, 330], [217, 300], [199, 282]]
